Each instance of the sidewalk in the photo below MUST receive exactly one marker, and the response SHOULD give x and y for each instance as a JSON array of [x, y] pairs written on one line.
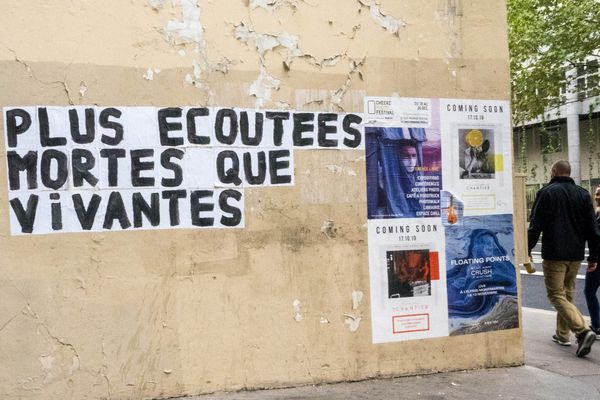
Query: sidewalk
[[550, 372]]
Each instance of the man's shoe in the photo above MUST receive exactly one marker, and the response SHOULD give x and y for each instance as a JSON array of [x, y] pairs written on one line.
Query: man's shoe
[[596, 331], [585, 341], [556, 339]]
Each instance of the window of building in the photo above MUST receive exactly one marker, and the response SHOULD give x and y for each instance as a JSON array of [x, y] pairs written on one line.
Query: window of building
[[550, 139], [593, 78]]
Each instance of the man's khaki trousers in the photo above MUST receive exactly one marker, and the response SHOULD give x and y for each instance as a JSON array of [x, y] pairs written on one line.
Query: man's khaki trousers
[[559, 277]]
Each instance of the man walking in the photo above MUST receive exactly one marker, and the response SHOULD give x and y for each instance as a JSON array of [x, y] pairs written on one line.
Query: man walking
[[564, 214]]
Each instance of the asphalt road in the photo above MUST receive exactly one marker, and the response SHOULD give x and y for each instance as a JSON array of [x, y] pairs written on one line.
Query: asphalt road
[[534, 292]]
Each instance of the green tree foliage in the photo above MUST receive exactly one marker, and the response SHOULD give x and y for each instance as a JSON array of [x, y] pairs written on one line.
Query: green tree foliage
[[547, 37]]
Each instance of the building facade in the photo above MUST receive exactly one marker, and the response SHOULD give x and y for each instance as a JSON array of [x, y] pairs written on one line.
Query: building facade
[[570, 131]]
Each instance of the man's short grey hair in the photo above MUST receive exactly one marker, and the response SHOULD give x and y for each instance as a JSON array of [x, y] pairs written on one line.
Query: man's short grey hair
[[561, 168]]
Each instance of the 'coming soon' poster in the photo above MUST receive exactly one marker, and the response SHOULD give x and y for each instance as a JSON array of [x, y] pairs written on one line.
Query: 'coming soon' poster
[[439, 206]]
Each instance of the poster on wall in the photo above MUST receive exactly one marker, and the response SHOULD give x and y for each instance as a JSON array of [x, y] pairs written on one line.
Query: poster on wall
[[407, 281], [404, 172], [439, 207], [482, 290]]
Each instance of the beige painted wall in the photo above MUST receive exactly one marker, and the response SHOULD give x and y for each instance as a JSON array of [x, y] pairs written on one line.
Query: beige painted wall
[[163, 313]]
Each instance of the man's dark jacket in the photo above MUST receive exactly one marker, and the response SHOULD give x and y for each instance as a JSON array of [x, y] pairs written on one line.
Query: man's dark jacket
[[564, 214]]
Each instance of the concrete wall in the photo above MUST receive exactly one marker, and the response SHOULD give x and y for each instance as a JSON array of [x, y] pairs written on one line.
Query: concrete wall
[[149, 314]]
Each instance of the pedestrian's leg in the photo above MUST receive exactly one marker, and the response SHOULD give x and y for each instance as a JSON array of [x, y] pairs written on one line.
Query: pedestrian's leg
[[569, 291], [570, 281], [568, 317], [554, 280], [592, 282], [585, 337], [577, 323]]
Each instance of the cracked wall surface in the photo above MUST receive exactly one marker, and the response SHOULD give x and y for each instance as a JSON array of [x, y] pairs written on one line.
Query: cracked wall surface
[[284, 301]]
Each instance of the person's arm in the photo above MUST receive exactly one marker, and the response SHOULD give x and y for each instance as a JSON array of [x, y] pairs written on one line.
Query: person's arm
[[594, 251], [536, 221], [593, 236], [594, 246]]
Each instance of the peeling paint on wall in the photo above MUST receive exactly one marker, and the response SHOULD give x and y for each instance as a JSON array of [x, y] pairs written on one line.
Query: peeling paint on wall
[[156, 4], [149, 74], [297, 316], [331, 61], [271, 5], [389, 23], [338, 95], [357, 297], [265, 83], [329, 229], [223, 65], [188, 29], [262, 88], [335, 168], [353, 322], [265, 42], [311, 99], [340, 169], [58, 360], [82, 89], [194, 78]]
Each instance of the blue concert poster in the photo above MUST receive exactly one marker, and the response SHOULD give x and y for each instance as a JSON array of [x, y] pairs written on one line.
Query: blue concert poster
[[480, 275]]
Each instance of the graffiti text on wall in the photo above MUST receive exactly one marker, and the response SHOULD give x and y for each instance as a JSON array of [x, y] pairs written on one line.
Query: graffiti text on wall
[[77, 169]]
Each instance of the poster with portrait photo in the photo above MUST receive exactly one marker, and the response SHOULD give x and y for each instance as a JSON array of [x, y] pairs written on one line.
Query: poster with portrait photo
[[408, 287], [409, 273], [476, 153], [403, 172]]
